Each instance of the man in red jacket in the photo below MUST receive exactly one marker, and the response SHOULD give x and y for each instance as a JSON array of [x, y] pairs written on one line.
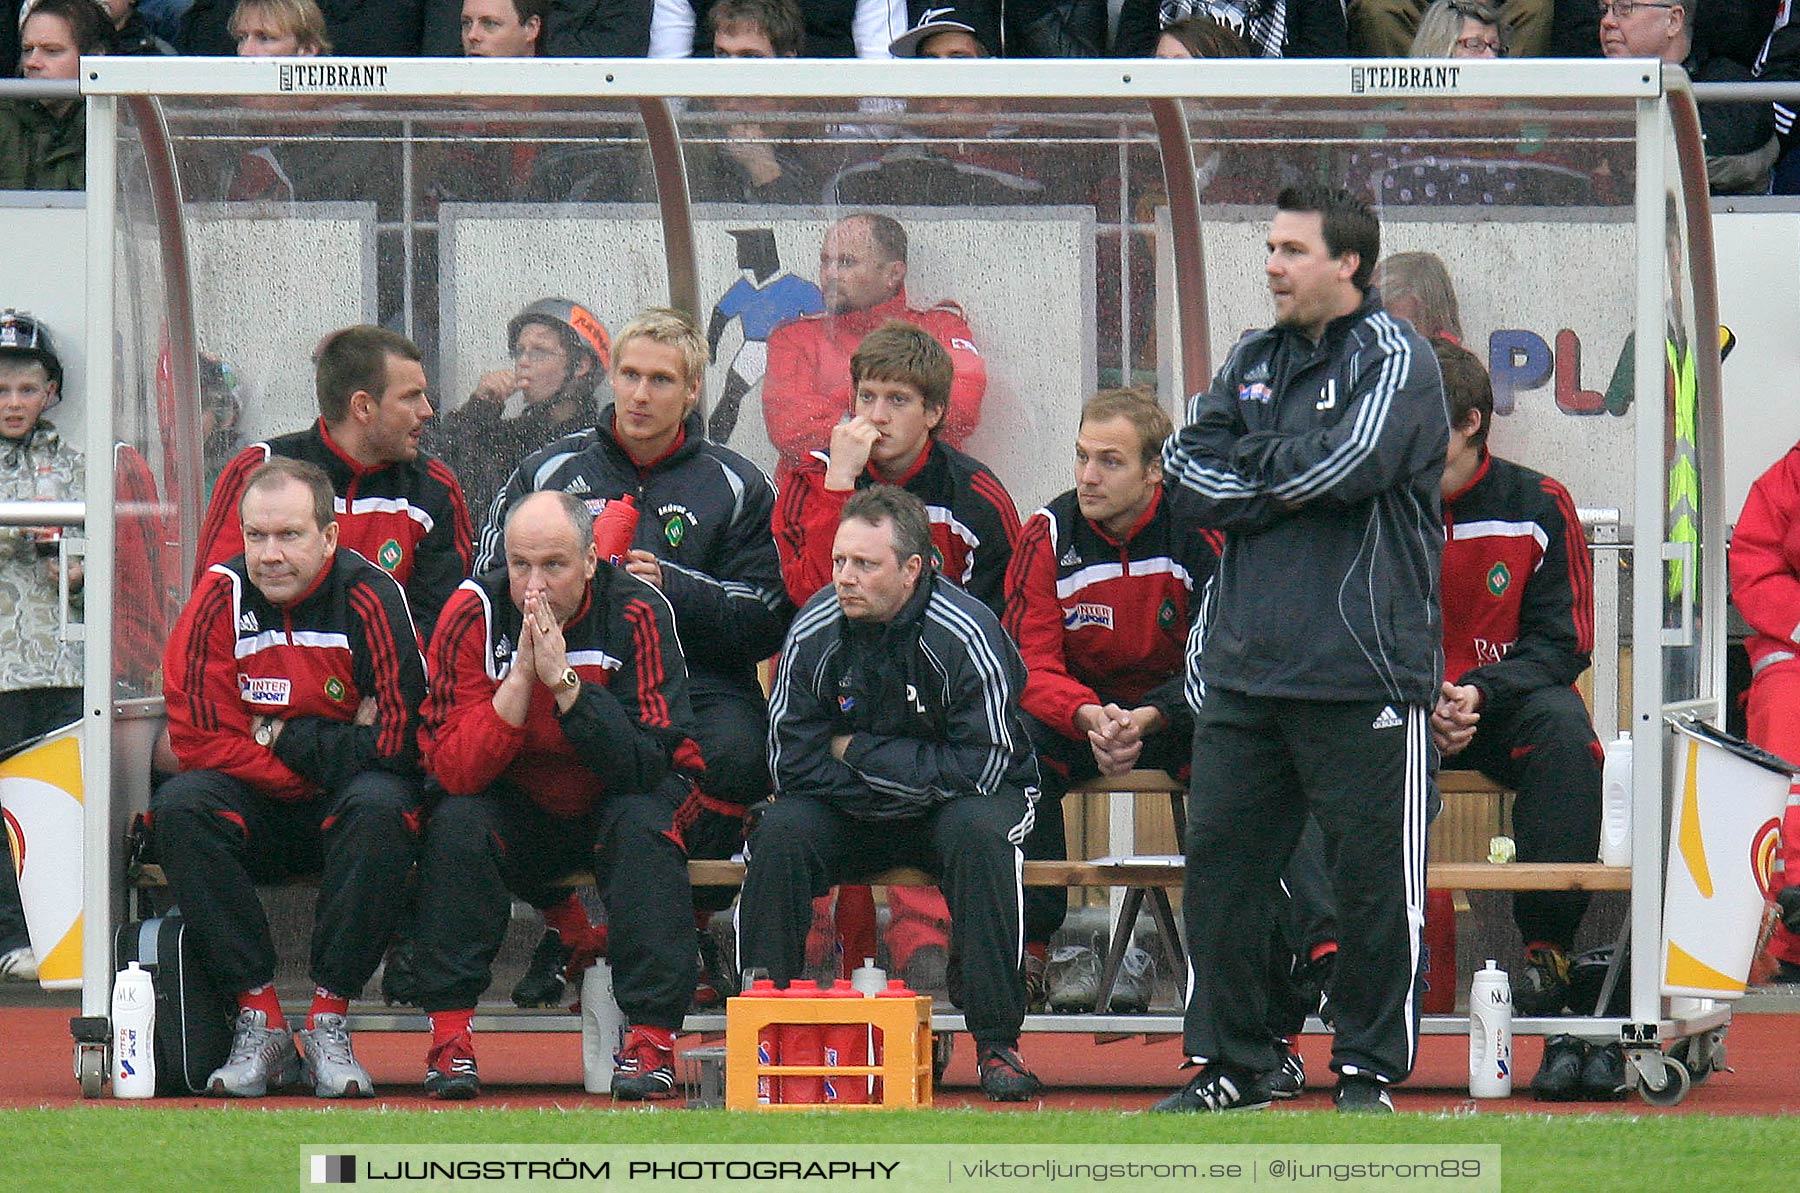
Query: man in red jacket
[[1518, 600], [293, 682], [862, 277], [558, 724]]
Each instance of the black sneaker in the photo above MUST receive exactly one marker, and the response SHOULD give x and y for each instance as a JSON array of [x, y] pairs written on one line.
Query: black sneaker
[[1542, 986], [1559, 1076], [1357, 1094], [1288, 1081], [543, 983], [643, 1071], [1603, 1073], [1789, 900], [717, 980], [450, 1074], [1004, 1077], [1218, 1088], [399, 976], [1035, 988]]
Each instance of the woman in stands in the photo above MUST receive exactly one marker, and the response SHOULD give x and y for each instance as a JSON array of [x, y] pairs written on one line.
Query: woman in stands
[[1460, 29], [279, 29], [1200, 36]]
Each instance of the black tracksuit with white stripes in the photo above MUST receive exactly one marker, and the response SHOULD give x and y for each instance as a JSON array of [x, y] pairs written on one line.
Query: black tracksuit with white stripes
[[1318, 670], [938, 773]]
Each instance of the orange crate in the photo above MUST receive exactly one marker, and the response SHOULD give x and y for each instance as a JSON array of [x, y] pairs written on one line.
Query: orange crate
[[905, 1069]]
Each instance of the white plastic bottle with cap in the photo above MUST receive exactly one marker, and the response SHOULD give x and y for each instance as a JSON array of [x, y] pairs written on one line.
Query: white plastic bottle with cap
[[1490, 1034], [602, 1028], [867, 980], [1615, 803], [133, 1022]]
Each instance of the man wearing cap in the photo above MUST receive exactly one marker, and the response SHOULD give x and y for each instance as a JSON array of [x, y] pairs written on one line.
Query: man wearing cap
[[862, 277], [986, 29], [40, 675], [400, 508], [559, 351]]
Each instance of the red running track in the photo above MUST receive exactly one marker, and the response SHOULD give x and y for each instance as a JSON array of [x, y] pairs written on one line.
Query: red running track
[[543, 1069]]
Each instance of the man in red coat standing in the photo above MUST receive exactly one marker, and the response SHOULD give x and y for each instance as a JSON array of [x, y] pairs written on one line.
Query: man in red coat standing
[[862, 277]]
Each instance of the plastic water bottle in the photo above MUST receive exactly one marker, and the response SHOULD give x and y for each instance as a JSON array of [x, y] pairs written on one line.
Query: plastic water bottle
[[1615, 803], [133, 1025], [867, 980], [1490, 1034], [602, 1028]]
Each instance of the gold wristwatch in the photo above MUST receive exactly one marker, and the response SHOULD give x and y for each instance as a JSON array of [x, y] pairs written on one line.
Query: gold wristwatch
[[568, 681], [265, 732]]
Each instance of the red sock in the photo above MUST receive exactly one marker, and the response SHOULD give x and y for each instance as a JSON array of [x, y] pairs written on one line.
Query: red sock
[[263, 999], [447, 1025], [569, 919], [1324, 949], [326, 1003], [662, 1037]]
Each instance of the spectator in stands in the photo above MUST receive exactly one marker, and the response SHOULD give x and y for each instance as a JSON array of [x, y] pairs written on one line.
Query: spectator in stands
[[1201, 36], [1416, 287], [1460, 29], [130, 34], [163, 17], [293, 682], [279, 29], [1765, 587], [1518, 599], [1100, 596], [559, 725], [403, 509], [357, 28], [1274, 28], [40, 675], [1741, 145], [503, 28], [862, 277], [990, 29], [615, 29], [1317, 450], [901, 379], [896, 739], [703, 539], [1778, 61], [560, 352], [749, 165], [43, 143], [1450, 28]]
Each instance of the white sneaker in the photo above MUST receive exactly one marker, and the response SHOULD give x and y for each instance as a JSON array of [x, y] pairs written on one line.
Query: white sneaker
[[261, 1056], [18, 965], [327, 1061]]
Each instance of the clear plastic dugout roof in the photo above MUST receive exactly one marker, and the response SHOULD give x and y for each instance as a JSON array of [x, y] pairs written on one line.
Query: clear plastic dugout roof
[[1075, 224]]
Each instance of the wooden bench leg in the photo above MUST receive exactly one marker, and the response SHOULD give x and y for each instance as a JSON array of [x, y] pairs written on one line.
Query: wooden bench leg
[[1174, 948], [1115, 950]]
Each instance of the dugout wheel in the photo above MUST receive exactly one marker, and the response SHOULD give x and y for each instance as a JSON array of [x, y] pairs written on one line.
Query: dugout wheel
[[1701, 1055], [92, 1035], [1663, 1079], [943, 1045]]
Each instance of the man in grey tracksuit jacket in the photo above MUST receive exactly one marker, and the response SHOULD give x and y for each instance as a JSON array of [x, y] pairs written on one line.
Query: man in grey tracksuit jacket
[[1317, 449]]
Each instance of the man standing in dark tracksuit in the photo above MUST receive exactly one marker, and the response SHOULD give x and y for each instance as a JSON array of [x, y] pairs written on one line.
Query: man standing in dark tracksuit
[[895, 738], [558, 726], [1317, 450]]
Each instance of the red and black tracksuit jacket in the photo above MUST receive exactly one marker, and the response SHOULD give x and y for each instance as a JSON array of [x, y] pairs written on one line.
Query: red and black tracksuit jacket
[[235, 655], [1101, 621], [1518, 584], [409, 518], [974, 525], [628, 730]]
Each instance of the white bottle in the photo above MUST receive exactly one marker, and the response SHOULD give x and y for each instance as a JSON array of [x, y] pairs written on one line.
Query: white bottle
[[1615, 803], [1490, 1034], [602, 1028], [867, 980], [133, 1022]]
